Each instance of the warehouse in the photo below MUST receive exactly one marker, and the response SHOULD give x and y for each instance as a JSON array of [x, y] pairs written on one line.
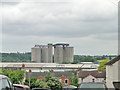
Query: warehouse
[[41, 67]]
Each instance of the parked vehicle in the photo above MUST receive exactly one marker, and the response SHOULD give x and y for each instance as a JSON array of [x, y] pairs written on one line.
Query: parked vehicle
[[21, 87], [41, 89], [92, 86], [5, 83]]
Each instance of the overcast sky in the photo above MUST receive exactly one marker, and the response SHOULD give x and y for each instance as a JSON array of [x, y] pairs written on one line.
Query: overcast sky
[[90, 26]]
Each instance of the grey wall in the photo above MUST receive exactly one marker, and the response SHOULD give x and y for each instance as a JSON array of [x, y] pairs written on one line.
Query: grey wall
[[119, 40], [119, 71]]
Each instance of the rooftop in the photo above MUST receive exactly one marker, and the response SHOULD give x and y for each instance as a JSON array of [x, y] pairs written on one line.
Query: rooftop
[[113, 60], [96, 74], [55, 74]]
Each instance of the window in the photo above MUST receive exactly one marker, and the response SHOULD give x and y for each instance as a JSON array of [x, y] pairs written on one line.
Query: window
[[4, 84], [66, 81], [93, 80], [19, 88]]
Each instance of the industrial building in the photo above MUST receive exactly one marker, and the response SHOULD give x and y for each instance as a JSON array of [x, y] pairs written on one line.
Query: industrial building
[[46, 67], [63, 53], [44, 53]]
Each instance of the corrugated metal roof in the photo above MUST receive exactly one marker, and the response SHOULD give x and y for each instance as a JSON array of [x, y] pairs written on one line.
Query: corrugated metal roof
[[47, 65]]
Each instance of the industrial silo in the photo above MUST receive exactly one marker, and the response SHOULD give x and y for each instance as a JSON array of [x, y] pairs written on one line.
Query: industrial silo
[[44, 54], [36, 54], [68, 54], [50, 53], [58, 54]]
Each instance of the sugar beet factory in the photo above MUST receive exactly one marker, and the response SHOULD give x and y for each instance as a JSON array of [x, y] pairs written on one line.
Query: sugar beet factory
[[50, 56], [44, 53]]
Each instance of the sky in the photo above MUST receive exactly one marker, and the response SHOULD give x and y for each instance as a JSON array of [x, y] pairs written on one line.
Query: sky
[[90, 26]]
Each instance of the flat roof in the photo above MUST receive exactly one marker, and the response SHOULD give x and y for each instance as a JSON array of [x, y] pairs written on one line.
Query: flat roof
[[47, 65]]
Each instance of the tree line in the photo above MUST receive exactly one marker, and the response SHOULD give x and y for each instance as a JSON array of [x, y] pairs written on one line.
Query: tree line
[[26, 57], [15, 57]]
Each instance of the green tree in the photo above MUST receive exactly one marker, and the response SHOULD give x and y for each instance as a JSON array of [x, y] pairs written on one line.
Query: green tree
[[74, 81], [54, 84], [75, 72], [98, 58], [39, 84], [32, 82], [75, 62], [47, 77], [16, 57], [16, 76], [102, 65]]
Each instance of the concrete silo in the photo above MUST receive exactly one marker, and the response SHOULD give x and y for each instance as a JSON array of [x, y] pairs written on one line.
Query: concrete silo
[[50, 53], [36, 54], [44, 54], [68, 54], [58, 54]]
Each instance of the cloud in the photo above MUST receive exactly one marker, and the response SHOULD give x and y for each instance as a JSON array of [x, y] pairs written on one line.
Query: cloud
[[85, 45], [56, 19]]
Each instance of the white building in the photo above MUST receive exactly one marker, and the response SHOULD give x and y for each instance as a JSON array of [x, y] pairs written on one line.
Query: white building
[[91, 76], [113, 72]]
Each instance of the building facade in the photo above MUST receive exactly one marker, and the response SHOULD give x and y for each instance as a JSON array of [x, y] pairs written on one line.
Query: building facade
[[92, 76], [113, 73]]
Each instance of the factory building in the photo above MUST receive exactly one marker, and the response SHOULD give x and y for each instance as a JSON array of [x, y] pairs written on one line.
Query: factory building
[[44, 53], [63, 53]]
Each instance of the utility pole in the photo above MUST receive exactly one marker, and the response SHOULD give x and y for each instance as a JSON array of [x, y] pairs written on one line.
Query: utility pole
[[29, 76], [44, 80], [24, 78]]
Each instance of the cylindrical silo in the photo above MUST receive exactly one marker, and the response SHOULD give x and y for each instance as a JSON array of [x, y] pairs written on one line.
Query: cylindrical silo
[[36, 54], [50, 53], [68, 54], [58, 54], [44, 54]]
